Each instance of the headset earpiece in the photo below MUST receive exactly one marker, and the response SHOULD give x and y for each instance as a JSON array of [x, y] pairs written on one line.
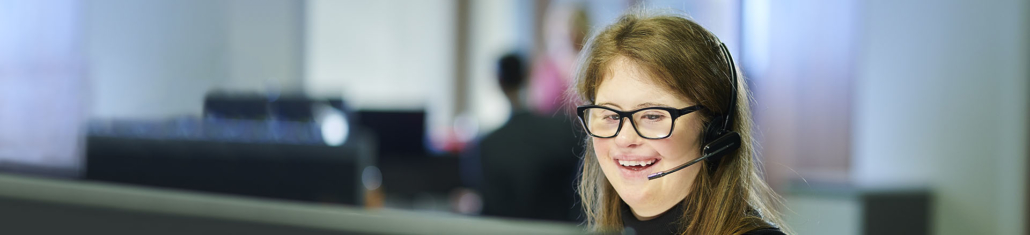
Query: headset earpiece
[[714, 128], [719, 141], [719, 138]]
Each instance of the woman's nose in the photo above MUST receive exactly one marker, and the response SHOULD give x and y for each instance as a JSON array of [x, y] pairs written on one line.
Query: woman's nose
[[627, 137]]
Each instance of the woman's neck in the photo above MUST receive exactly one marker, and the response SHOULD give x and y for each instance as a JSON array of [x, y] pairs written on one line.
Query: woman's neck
[[646, 218], [663, 223]]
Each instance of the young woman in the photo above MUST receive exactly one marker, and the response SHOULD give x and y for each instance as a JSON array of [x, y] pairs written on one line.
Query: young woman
[[670, 149]]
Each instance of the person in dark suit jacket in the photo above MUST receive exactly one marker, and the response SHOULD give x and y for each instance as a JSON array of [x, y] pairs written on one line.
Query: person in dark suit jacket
[[527, 167]]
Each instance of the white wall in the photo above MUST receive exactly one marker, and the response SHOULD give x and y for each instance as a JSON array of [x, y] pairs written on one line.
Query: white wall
[[156, 59], [264, 43], [380, 54], [383, 54], [41, 86], [941, 100], [494, 31]]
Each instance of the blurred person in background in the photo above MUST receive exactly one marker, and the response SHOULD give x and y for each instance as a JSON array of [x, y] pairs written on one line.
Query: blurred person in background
[[565, 26], [676, 84], [527, 166]]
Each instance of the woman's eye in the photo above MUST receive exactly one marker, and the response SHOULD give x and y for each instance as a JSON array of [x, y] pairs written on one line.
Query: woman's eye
[[653, 117], [612, 117]]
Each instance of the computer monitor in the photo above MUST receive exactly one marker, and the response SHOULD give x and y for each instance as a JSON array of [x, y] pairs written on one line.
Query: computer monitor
[[401, 133]]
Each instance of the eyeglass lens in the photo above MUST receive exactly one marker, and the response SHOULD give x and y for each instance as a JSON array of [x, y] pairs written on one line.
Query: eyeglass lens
[[649, 123]]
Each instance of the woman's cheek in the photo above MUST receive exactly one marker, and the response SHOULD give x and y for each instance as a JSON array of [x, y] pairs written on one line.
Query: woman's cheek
[[600, 147]]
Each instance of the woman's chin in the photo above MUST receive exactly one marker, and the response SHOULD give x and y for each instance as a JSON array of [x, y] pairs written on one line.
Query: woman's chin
[[635, 196], [642, 206]]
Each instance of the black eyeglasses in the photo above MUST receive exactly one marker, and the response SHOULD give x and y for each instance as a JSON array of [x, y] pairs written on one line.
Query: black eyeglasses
[[650, 123]]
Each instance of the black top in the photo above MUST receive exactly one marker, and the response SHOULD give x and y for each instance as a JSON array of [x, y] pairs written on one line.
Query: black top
[[668, 223]]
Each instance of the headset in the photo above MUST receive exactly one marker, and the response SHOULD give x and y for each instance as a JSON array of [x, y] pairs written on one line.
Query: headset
[[719, 139]]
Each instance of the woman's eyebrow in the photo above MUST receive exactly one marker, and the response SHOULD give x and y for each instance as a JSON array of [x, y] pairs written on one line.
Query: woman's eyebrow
[[649, 104], [610, 104]]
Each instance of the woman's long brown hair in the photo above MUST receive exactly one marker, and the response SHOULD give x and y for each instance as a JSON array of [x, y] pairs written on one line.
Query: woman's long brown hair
[[684, 57]]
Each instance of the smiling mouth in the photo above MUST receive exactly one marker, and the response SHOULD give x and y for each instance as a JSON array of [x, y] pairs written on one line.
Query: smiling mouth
[[637, 165]]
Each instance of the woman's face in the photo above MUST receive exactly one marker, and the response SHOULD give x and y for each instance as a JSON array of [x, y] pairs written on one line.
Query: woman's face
[[627, 87]]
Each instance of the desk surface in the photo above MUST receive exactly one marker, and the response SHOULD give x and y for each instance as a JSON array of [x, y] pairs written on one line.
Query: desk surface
[[260, 211]]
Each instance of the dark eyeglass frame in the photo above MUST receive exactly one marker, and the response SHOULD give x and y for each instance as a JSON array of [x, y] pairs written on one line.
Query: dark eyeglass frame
[[674, 113]]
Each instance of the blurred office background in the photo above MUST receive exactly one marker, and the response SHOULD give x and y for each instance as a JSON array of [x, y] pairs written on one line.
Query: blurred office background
[[875, 117]]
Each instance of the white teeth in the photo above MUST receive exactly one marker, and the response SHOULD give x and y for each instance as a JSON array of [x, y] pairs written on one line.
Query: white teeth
[[636, 163]]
